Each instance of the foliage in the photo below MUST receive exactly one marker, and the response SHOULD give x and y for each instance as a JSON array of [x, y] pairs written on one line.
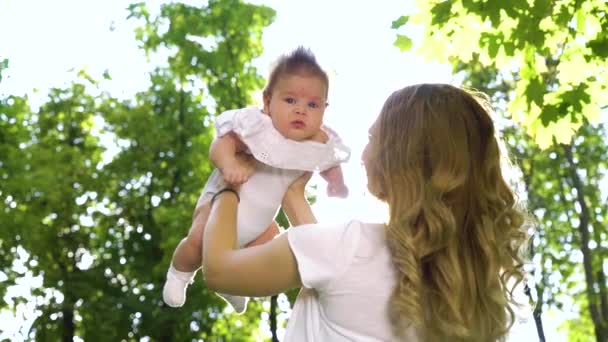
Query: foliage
[[99, 191], [51, 172], [553, 51], [209, 43]]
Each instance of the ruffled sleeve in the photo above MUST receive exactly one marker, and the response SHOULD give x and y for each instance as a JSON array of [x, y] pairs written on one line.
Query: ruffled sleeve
[[266, 144], [244, 122]]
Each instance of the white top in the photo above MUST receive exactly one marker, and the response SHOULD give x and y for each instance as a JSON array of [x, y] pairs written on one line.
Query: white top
[[348, 278], [267, 145], [260, 198]]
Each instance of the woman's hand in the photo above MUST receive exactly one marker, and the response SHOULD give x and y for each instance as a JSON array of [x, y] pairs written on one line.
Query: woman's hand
[[298, 186], [295, 205]]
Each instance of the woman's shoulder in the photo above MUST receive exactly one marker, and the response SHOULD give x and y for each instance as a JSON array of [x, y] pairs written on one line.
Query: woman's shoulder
[[323, 251], [338, 229], [344, 238]]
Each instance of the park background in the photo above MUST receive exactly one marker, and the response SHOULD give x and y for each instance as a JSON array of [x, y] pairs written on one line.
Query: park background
[[105, 121]]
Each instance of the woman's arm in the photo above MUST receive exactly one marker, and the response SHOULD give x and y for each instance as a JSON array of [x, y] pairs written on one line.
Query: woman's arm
[[257, 271], [295, 205]]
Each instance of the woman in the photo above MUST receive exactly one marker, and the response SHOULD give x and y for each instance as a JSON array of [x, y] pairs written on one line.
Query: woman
[[442, 268]]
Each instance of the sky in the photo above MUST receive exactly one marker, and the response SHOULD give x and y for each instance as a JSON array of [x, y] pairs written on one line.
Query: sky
[[44, 40]]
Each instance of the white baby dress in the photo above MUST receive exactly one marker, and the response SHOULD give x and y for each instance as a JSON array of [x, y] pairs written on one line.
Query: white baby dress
[[280, 162]]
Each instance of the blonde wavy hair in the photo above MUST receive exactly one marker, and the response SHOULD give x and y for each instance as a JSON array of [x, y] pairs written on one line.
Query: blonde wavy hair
[[455, 229]]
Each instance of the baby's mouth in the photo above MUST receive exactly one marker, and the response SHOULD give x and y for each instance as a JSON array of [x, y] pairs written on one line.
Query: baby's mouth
[[298, 124]]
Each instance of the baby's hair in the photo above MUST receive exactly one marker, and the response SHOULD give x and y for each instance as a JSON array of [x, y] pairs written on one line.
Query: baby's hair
[[299, 61]]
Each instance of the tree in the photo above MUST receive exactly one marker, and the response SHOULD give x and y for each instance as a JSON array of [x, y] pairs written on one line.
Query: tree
[[51, 173], [14, 135], [563, 186], [544, 64], [100, 225]]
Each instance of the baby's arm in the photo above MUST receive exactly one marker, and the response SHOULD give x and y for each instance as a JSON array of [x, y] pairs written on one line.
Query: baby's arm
[[335, 182], [223, 154], [333, 175]]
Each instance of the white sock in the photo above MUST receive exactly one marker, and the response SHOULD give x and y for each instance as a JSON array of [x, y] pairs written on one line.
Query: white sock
[[238, 303], [174, 291]]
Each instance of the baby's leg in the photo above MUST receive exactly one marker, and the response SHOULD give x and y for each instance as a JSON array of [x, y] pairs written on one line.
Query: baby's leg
[[187, 256], [186, 260]]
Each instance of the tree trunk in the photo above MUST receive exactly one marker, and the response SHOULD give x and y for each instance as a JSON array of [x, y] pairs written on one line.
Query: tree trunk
[[273, 318], [603, 301], [68, 323], [583, 229]]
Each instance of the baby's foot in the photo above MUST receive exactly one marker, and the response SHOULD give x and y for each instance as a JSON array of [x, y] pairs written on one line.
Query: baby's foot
[[174, 291], [238, 303]]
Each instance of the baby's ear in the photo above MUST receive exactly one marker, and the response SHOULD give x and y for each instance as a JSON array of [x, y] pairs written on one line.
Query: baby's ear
[[266, 99]]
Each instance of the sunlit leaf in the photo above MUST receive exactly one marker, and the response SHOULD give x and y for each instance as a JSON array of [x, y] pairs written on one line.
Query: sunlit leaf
[[404, 43]]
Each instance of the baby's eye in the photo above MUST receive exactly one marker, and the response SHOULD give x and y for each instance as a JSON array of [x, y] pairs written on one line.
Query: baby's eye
[[313, 105], [290, 100]]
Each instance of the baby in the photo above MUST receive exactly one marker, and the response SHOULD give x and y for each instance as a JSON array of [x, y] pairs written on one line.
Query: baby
[[287, 138]]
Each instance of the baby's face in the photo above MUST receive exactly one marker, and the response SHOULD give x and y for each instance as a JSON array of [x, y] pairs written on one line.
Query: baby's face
[[297, 105]]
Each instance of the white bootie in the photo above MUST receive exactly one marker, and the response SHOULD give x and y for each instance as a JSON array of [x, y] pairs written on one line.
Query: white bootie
[[238, 303], [174, 291]]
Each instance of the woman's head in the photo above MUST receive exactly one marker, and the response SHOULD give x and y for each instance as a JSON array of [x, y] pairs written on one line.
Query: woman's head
[[296, 95], [454, 229], [435, 131]]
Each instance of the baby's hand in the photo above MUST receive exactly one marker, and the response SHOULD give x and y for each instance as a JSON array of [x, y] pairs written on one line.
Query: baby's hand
[[337, 190], [239, 170], [335, 182]]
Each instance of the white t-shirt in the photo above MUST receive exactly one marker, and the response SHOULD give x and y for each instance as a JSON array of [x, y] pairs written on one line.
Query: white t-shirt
[[348, 278]]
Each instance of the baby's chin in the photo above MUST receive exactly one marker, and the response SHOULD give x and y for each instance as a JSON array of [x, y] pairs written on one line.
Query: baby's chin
[[298, 135]]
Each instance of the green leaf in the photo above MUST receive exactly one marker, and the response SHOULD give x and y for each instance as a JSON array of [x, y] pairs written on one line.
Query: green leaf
[[493, 46], [106, 75], [3, 66], [402, 20], [492, 10], [549, 114], [441, 13], [404, 43], [535, 91], [599, 46]]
